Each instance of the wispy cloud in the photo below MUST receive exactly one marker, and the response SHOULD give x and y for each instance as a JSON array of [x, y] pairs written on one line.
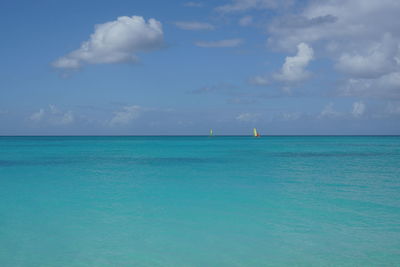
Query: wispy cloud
[[243, 5], [329, 112], [290, 116], [126, 115], [53, 116], [114, 42], [37, 116], [220, 43], [393, 108], [221, 88], [202, 90], [385, 87], [193, 4], [259, 80], [248, 117], [358, 109], [194, 25], [246, 21]]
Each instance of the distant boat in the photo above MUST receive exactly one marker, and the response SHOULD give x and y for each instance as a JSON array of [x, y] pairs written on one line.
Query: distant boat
[[211, 132], [255, 133]]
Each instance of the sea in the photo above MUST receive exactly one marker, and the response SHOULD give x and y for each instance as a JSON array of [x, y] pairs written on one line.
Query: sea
[[200, 201]]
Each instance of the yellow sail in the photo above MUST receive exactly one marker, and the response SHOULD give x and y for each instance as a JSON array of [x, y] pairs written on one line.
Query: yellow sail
[[211, 132], [255, 132]]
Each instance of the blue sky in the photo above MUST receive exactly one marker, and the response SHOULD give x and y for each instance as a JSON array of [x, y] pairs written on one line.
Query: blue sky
[[183, 67]]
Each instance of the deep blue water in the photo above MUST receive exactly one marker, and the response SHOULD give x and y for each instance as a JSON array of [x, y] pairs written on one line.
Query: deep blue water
[[199, 201]]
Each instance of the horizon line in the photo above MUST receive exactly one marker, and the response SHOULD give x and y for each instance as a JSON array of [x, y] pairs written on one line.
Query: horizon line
[[194, 135]]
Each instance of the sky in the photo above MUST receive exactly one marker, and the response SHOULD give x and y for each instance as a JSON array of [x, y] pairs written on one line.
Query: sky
[[159, 67]]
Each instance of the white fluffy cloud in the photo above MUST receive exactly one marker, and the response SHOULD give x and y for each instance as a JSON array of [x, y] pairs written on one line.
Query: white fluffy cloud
[[52, 115], [194, 25], [293, 70], [126, 116], [376, 59], [114, 42], [220, 43], [361, 37]]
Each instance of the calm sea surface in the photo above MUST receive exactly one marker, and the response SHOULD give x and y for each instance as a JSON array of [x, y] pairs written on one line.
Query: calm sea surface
[[199, 201]]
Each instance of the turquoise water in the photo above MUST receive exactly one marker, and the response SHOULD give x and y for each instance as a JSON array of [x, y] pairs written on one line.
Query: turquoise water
[[199, 201]]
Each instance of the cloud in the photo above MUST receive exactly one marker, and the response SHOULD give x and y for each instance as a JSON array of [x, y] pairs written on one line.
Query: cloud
[[290, 116], [37, 116], [54, 109], [220, 43], [365, 50], [193, 4], [293, 70], [246, 21], [248, 117], [377, 59], [358, 109], [243, 5], [300, 22], [67, 118], [259, 80], [329, 112], [386, 86], [346, 23], [226, 88], [126, 116], [393, 108], [194, 25], [202, 90], [115, 42], [53, 116]]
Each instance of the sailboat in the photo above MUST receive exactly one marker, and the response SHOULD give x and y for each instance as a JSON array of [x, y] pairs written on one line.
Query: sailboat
[[211, 132], [255, 133]]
